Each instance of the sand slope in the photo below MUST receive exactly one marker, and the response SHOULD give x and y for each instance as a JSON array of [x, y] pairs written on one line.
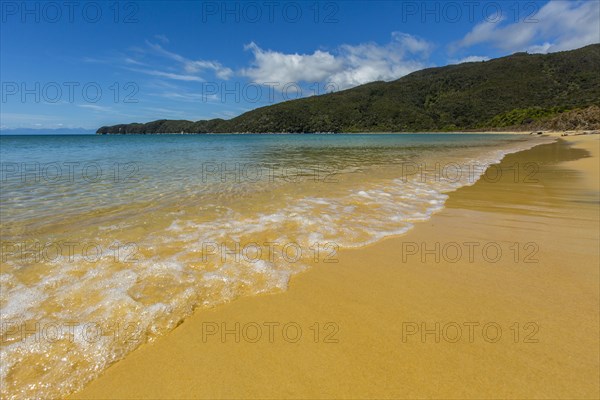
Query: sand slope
[[376, 295]]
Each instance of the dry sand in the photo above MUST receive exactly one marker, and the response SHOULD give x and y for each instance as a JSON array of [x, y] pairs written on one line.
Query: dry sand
[[374, 298]]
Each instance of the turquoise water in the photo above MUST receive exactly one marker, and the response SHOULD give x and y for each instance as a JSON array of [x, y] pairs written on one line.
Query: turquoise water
[[132, 233], [54, 176]]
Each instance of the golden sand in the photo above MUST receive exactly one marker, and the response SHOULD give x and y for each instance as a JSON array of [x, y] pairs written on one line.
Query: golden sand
[[541, 293]]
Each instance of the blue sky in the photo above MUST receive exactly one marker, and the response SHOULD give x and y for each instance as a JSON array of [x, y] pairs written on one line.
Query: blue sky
[[93, 63]]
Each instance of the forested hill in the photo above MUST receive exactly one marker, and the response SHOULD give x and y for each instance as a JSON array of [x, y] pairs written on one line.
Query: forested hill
[[508, 91]]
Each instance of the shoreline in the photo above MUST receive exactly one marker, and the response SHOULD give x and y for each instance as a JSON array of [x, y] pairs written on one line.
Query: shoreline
[[370, 295], [544, 133], [484, 132]]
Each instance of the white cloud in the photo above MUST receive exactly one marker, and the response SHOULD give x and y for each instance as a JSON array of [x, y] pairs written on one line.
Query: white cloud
[[164, 111], [131, 61], [351, 65], [162, 38], [95, 107], [181, 95], [272, 66], [470, 59], [184, 69], [193, 66], [93, 60], [170, 75], [559, 25]]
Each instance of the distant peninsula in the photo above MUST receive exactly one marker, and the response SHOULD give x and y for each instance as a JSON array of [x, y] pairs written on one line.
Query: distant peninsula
[[518, 92]]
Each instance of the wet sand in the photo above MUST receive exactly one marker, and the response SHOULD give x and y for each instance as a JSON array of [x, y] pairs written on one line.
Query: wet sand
[[528, 317]]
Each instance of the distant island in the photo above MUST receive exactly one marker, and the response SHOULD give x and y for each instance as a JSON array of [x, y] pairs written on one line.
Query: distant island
[[558, 91]]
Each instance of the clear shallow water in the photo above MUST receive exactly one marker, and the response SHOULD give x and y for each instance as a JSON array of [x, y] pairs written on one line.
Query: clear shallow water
[[108, 241]]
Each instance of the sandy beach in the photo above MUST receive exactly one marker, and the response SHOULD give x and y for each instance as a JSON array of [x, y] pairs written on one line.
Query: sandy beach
[[496, 296]]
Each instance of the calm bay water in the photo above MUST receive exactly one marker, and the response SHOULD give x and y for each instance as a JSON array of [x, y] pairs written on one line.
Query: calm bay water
[[109, 241]]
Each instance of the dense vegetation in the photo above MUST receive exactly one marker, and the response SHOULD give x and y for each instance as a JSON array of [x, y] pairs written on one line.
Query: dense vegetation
[[523, 116], [578, 119], [509, 91]]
